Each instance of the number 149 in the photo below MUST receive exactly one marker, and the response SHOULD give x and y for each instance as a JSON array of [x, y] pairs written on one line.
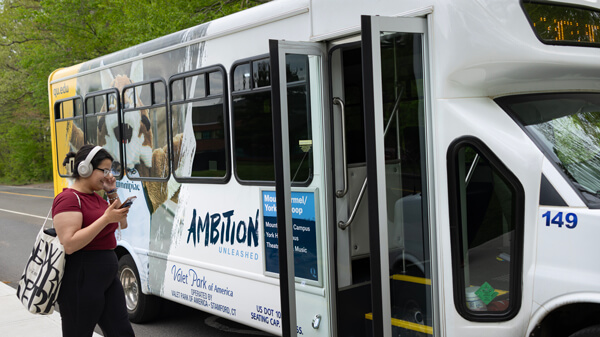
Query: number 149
[[570, 219]]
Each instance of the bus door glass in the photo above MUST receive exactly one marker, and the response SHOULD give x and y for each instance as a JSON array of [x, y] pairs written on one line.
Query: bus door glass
[[395, 101], [301, 188]]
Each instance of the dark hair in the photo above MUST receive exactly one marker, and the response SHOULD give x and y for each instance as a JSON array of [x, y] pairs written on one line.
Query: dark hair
[[82, 154]]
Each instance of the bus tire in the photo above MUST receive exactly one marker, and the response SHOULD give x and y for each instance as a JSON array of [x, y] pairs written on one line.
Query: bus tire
[[592, 331], [140, 307]]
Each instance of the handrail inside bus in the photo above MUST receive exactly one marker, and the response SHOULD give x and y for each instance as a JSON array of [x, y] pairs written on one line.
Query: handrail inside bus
[[341, 224], [344, 190], [472, 169]]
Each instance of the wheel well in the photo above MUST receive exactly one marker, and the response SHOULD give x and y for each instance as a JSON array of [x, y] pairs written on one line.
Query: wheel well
[[568, 319], [120, 251]]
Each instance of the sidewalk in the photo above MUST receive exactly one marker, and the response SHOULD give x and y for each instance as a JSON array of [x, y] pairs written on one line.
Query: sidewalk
[[15, 320]]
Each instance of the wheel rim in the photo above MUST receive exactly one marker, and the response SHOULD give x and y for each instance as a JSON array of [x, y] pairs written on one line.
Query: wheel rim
[[130, 287]]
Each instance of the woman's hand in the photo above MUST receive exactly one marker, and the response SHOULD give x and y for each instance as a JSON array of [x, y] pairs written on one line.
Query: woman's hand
[[109, 183], [114, 214]]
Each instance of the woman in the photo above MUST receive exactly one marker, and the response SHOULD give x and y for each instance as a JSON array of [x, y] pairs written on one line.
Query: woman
[[85, 223]]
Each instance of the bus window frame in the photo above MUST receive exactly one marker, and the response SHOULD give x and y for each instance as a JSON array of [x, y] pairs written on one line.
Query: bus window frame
[[252, 89], [86, 113], [58, 118], [517, 246], [233, 93], [226, 120], [150, 82]]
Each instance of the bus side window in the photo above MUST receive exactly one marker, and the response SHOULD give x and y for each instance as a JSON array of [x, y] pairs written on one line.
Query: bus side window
[[253, 124], [101, 123], [144, 128], [486, 205], [252, 121], [68, 117], [199, 126]]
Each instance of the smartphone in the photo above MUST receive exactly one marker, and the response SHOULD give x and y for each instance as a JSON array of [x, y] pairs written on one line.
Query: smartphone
[[128, 202]]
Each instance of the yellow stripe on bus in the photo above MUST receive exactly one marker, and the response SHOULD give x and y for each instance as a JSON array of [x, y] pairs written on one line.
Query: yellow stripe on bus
[[412, 279], [406, 325]]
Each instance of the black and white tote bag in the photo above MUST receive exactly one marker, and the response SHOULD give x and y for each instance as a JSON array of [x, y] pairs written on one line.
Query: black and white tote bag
[[40, 283]]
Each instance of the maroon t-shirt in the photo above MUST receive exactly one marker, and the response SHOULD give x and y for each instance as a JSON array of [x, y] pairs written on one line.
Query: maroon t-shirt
[[92, 208]]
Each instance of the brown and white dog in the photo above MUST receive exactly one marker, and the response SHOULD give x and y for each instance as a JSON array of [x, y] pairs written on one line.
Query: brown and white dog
[[142, 159]]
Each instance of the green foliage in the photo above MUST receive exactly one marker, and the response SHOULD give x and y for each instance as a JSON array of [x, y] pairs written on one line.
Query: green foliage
[[28, 157], [39, 36]]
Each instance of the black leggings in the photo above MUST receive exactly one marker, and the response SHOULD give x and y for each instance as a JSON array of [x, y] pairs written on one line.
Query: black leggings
[[92, 294]]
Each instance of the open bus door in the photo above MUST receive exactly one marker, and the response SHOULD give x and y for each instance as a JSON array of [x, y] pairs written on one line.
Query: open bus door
[[298, 99], [382, 262], [383, 252], [396, 108]]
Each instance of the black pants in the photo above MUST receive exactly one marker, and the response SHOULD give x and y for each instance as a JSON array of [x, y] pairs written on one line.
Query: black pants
[[91, 294]]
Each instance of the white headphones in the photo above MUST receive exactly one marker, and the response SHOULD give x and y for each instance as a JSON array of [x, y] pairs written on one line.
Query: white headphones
[[85, 168]]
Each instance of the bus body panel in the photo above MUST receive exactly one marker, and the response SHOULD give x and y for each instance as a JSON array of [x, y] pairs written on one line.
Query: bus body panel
[[566, 238]]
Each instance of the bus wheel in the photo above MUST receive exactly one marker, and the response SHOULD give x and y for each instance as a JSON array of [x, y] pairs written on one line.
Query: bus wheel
[[140, 307], [592, 331]]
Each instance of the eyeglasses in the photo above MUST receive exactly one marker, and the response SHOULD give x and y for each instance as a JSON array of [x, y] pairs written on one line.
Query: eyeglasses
[[106, 171]]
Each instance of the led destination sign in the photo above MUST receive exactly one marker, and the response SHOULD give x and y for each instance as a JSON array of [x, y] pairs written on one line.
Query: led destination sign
[[560, 24]]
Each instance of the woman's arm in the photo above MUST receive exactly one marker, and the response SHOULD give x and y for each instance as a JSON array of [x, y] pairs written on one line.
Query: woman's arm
[[73, 237], [123, 223], [113, 198]]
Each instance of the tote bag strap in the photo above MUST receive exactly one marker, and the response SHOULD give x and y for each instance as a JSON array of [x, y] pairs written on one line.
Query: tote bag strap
[[46, 220], [47, 217], [79, 200]]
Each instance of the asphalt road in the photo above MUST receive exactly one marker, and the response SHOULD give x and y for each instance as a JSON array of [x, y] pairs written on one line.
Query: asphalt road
[[22, 212]]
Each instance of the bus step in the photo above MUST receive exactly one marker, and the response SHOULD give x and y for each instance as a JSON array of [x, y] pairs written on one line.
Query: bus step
[[401, 328]]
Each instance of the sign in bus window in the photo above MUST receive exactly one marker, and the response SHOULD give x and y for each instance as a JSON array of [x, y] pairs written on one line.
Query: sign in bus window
[[564, 24]]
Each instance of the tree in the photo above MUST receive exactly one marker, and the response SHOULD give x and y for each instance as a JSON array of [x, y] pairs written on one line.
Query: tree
[[39, 36]]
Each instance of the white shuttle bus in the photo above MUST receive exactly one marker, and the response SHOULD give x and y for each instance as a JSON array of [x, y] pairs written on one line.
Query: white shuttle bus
[[435, 164]]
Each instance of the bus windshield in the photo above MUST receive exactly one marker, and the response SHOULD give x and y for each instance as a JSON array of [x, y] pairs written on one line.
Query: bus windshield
[[567, 128]]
